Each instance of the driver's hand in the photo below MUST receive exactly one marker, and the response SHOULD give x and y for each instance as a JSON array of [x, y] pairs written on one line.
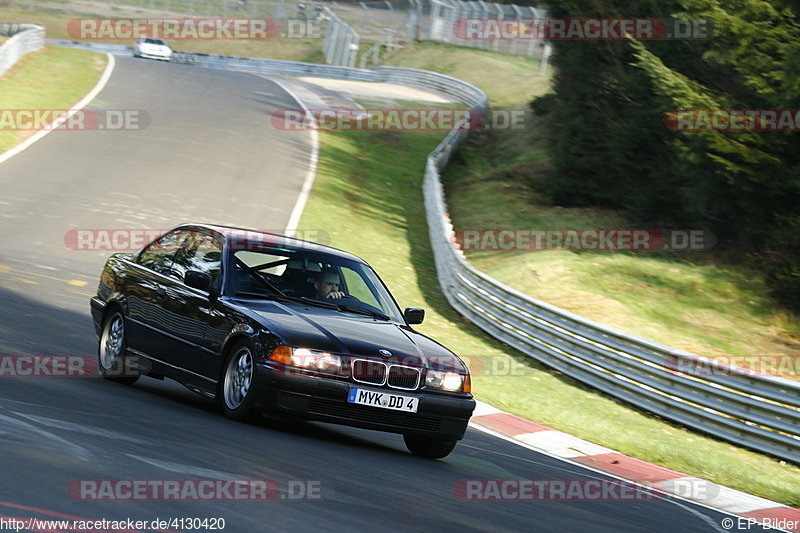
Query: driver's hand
[[336, 294]]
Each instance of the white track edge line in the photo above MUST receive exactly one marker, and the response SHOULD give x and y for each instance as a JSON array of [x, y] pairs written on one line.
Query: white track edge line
[[101, 84], [305, 191]]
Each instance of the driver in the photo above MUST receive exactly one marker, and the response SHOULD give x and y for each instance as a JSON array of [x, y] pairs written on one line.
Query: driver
[[327, 285]]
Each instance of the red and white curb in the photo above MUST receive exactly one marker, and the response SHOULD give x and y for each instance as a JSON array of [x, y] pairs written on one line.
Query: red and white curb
[[559, 444]]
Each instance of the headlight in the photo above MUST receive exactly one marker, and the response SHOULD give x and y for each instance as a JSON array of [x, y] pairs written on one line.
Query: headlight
[[307, 359], [451, 381]]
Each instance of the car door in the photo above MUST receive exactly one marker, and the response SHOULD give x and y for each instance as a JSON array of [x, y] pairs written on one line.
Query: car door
[[145, 291], [188, 308]]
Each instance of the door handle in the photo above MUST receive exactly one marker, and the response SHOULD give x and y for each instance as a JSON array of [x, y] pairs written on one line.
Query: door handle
[[161, 292]]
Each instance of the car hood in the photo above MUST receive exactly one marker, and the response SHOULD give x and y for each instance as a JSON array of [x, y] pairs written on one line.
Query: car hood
[[345, 333], [154, 47]]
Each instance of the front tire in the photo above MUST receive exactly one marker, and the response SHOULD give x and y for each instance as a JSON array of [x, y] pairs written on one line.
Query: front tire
[[429, 447], [111, 360], [236, 386]]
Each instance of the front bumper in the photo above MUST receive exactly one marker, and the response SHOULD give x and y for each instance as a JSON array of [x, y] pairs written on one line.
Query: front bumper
[[165, 57], [323, 399]]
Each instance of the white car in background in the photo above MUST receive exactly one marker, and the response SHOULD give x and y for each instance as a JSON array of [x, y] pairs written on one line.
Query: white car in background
[[152, 48]]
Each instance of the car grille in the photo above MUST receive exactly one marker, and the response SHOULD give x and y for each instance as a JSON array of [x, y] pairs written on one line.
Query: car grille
[[403, 377], [369, 372], [378, 373], [375, 415]]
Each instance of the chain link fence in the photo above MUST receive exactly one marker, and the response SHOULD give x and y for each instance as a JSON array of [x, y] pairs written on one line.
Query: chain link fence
[[375, 26], [447, 15], [340, 45], [388, 24]]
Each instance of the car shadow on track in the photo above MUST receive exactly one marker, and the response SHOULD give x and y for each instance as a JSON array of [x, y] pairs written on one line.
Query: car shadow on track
[[317, 431], [32, 327]]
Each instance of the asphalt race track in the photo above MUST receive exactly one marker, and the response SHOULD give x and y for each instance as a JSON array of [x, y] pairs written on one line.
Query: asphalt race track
[[210, 154]]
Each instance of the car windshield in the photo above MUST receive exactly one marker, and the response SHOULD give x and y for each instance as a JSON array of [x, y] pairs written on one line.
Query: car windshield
[[154, 41], [315, 278]]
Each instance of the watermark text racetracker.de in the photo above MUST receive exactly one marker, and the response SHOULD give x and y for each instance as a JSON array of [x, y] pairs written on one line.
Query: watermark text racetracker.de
[[193, 490], [71, 366], [556, 490], [134, 239], [595, 239], [48, 366], [579, 29], [784, 366], [422, 119], [549, 490], [732, 120], [202, 28], [74, 119], [68, 366]]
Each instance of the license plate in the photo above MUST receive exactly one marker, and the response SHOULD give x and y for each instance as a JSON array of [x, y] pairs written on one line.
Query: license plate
[[385, 400]]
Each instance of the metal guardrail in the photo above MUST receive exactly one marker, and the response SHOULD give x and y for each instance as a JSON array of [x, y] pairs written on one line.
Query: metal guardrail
[[756, 411], [114, 49], [24, 38]]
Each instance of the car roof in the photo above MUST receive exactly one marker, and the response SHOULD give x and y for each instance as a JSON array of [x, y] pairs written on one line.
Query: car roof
[[274, 239]]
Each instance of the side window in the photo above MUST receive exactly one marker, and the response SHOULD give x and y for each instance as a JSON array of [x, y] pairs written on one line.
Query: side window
[[199, 252], [159, 254]]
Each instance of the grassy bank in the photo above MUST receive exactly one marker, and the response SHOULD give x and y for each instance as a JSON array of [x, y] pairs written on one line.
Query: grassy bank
[[368, 198], [52, 78], [695, 301], [509, 81], [308, 50]]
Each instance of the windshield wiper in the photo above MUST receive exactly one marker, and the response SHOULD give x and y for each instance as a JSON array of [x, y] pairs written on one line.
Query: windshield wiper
[[261, 295], [362, 311], [260, 277]]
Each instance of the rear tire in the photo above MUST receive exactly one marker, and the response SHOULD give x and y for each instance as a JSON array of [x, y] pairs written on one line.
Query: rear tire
[[429, 447], [236, 392], [111, 361]]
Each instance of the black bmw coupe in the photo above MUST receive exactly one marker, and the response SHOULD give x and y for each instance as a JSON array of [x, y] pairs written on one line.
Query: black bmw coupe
[[270, 324]]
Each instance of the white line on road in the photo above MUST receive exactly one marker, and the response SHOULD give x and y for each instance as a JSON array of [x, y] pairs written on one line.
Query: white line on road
[[305, 191], [101, 83]]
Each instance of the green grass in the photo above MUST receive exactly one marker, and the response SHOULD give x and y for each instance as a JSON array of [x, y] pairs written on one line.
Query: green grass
[[52, 78], [307, 50], [692, 301], [509, 81], [368, 198]]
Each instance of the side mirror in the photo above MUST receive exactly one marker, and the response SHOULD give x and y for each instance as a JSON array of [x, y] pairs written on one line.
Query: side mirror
[[197, 280], [414, 315]]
